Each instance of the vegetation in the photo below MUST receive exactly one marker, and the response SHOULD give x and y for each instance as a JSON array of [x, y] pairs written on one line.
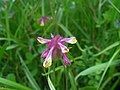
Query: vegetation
[[95, 58]]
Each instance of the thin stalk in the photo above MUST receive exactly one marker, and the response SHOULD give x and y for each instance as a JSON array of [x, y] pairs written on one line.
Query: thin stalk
[[43, 10], [114, 6], [66, 79], [99, 9], [7, 25], [50, 2], [54, 73], [108, 80], [115, 84], [110, 61], [108, 48]]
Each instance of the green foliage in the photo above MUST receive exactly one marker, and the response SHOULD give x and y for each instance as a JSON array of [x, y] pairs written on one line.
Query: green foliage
[[95, 58]]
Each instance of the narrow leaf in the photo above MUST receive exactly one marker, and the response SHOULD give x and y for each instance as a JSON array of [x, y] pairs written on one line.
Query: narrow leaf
[[95, 68], [13, 84], [11, 47], [29, 75], [50, 84]]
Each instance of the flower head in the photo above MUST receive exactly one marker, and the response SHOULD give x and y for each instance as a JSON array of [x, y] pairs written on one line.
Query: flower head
[[55, 47], [44, 19]]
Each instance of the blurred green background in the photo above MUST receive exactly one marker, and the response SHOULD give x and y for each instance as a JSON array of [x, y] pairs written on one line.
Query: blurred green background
[[95, 59]]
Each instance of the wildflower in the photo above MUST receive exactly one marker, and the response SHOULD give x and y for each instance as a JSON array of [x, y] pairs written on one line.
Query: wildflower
[[44, 19], [55, 47]]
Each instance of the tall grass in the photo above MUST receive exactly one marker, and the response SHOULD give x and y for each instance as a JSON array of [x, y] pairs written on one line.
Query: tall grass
[[95, 59]]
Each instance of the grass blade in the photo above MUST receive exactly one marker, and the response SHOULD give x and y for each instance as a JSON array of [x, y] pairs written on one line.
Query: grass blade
[[11, 47], [70, 34], [95, 68], [56, 69], [28, 74], [108, 48], [2, 51], [107, 66], [50, 84], [72, 80], [114, 6], [13, 84]]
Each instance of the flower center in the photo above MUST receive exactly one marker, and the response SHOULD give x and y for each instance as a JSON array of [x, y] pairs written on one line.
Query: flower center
[[54, 41]]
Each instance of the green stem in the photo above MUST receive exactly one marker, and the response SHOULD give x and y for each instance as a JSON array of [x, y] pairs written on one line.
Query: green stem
[[108, 80], [54, 74], [50, 2], [114, 6], [66, 77], [108, 48], [110, 61], [43, 10], [99, 9], [7, 24]]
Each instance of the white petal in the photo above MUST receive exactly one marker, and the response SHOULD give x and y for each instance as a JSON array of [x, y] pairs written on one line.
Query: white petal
[[71, 40], [47, 63], [63, 48], [42, 40], [48, 59]]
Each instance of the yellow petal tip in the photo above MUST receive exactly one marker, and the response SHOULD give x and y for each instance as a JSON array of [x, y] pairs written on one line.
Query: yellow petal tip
[[47, 64], [42, 25]]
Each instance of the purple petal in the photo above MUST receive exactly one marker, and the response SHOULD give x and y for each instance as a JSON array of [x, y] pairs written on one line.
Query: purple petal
[[71, 40], [63, 48], [42, 40], [57, 38], [66, 60], [48, 59], [44, 54]]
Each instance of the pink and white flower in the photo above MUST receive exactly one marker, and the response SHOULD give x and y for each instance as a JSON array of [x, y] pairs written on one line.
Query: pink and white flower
[[43, 20], [55, 47]]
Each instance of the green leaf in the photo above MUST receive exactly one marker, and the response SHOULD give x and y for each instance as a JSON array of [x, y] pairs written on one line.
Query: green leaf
[[7, 88], [51, 71], [50, 84], [6, 39], [13, 84], [59, 15], [2, 51], [95, 68], [11, 77], [29, 75], [65, 30], [11, 47], [70, 34], [88, 88], [107, 66], [72, 80], [108, 48], [29, 57]]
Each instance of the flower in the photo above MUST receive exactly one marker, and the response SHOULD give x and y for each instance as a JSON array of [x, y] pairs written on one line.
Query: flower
[[55, 47], [42, 20]]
